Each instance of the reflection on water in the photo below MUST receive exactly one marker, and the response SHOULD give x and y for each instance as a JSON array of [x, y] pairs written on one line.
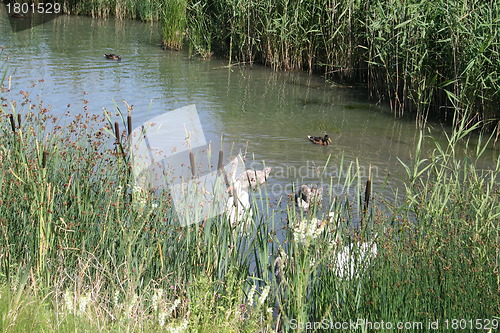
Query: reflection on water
[[267, 115]]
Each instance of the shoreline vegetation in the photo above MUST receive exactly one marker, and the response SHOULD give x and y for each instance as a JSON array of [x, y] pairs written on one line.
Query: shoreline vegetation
[[82, 248], [85, 249], [433, 59]]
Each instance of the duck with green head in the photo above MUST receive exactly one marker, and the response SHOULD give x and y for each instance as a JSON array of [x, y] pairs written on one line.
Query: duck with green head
[[324, 141]]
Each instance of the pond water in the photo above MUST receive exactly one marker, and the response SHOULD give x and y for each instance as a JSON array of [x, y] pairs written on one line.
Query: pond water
[[265, 113]]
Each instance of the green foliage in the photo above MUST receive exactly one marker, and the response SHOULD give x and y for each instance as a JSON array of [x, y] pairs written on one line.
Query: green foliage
[[146, 10], [434, 58], [173, 23]]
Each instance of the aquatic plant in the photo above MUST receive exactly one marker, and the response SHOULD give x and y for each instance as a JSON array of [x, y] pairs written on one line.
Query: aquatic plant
[[173, 23]]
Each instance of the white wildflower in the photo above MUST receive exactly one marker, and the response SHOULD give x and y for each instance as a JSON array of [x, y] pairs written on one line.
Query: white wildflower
[[161, 318], [307, 230], [251, 293], [68, 301], [175, 305], [158, 294], [264, 294], [131, 306], [82, 303], [163, 315], [312, 262], [115, 297], [181, 328]]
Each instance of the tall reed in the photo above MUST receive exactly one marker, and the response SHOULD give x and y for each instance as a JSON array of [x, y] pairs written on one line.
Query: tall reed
[[174, 23], [432, 58], [145, 10]]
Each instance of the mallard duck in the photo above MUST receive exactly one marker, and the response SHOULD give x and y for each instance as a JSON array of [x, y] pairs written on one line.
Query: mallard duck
[[324, 141], [307, 197], [251, 178], [112, 56]]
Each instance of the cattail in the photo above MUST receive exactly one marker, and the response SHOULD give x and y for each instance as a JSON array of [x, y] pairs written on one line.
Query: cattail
[[129, 124], [44, 159], [191, 159], [368, 189], [12, 123], [117, 132], [219, 164]]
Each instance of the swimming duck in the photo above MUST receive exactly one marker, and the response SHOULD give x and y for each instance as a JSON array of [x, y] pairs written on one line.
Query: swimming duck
[[112, 56], [324, 141], [307, 197], [18, 15], [251, 178]]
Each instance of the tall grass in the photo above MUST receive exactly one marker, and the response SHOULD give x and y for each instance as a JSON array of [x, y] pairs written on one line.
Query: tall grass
[[145, 10], [173, 23], [431, 58], [82, 243], [429, 53]]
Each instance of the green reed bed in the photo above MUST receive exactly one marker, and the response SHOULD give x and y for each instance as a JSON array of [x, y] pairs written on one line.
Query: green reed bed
[[82, 247], [433, 58], [145, 10]]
